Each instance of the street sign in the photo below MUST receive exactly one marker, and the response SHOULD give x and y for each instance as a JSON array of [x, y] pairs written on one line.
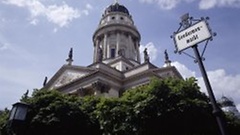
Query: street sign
[[191, 36]]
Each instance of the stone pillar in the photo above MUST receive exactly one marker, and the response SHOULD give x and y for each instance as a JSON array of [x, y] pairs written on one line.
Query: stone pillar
[[138, 53], [117, 43], [131, 51], [94, 52], [96, 47], [105, 46], [108, 50]]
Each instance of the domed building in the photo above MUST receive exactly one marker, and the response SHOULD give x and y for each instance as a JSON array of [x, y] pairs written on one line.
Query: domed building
[[228, 106], [116, 63]]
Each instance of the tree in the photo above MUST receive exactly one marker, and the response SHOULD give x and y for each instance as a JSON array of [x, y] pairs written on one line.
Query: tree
[[55, 113], [163, 107], [3, 121], [233, 123]]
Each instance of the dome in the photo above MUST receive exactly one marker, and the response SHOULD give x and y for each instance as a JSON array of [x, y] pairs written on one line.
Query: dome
[[224, 102], [116, 8]]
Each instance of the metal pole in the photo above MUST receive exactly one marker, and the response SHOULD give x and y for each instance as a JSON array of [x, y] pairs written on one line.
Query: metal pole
[[216, 110]]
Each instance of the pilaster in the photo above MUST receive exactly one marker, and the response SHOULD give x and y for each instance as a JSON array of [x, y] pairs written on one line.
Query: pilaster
[[117, 43], [105, 46]]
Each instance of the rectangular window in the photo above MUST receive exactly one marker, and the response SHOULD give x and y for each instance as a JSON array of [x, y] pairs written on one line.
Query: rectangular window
[[113, 52]]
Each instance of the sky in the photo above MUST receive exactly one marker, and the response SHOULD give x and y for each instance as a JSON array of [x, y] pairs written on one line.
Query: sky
[[36, 36]]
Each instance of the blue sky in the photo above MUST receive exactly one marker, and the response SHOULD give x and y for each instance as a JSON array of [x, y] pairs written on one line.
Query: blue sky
[[36, 35]]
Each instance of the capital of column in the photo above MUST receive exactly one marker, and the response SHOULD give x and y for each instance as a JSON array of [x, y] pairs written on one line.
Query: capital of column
[[100, 87]]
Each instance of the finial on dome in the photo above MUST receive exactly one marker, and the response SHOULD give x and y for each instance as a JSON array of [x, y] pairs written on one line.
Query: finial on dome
[[116, 1]]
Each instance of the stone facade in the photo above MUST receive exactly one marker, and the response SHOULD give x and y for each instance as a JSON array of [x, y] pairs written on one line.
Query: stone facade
[[116, 63]]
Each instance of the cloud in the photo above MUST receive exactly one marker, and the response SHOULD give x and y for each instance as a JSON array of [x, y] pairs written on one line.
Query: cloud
[[207, 4], [34, 21], [221, 82], [60, 15], [3, 46], [164, 4], [184, 71], [151, 49], [88, 8], [19, 3], [203, 4], [238, 106]]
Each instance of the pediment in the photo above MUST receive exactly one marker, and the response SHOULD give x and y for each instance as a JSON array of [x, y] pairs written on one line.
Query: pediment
[[68, 74], [67, 77]]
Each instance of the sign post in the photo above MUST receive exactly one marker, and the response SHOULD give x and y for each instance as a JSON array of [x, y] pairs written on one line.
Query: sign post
[[190, 36]]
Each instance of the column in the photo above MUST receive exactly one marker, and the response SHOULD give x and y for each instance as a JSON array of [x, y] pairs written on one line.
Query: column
[[96, 50], [138, 53], [108, 50], [131, 51], [117, 44], [105, 46]]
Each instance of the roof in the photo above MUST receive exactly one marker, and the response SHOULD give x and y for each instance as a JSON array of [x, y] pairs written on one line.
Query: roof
[[224, 101], [116, 8]]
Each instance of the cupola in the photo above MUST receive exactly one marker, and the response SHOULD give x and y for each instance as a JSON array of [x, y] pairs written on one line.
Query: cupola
[[116, 36], [116, 8]]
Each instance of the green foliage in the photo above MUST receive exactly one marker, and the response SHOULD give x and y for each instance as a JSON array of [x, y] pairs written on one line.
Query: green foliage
[[164, 107], [89, 106], [24, 96], [3, 119], [158, 108], [57, 113], [233, 123]]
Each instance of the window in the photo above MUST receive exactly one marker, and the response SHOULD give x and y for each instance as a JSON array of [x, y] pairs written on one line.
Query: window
[[113, 18], [113, 52], [121, 18]]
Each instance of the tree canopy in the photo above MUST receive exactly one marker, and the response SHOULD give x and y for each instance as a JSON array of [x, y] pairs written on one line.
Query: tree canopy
[[163, 107]]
